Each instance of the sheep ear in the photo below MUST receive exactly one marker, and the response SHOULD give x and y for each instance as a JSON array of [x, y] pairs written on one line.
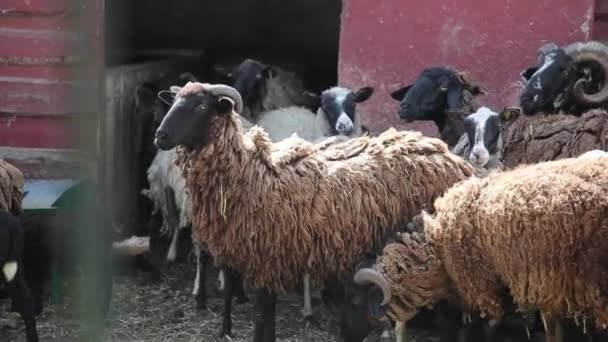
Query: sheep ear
[[223, 70], [455, 99], [225, 105], [467, 80], [400, 94], [527, 74], [312, 100], [363, 94], [375, 298], [510, 114], [167, 96]]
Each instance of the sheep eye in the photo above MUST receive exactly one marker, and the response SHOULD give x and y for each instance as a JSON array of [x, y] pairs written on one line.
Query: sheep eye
[[443, 88], [203, 107], [258, 76]]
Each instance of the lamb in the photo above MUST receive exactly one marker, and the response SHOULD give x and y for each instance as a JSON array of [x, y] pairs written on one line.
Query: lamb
[[11, 262], [442, 95], [482, 242], [570, 79], [266, 87], [482, 131], [363, 188], [336, 115]]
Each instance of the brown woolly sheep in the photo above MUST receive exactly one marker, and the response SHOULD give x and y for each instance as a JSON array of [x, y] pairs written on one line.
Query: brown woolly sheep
[[544, 137], [538, 231], [275, 215], [11, 188]]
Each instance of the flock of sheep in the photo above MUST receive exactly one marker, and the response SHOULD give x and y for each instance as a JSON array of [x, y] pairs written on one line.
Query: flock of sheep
[[283, 187]]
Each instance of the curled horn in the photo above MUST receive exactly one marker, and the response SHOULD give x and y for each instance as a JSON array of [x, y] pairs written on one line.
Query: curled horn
[[224, 90], [590, 52], [367, 276]]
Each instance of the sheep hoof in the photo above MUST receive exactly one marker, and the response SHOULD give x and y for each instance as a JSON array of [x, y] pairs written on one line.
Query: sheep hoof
[[242, 300], [201, 304], [312, 321], [226, 332]]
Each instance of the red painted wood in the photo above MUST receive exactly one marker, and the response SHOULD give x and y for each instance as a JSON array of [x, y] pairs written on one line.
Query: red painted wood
[[41, 7], [39, 132], [387, 43]]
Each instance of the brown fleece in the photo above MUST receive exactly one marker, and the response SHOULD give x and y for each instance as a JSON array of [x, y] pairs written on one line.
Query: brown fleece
[[277, 211], [11, 187], [539, 230], [537, 138]]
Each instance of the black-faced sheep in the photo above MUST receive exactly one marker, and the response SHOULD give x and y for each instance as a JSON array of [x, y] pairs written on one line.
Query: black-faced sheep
[[266, 87], [441, 95], [534, 233], [13, 275], [363, 189], [572, 79]]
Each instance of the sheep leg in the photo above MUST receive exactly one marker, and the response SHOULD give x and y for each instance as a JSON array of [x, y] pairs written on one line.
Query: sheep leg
[[172, 221], [24, 303], [239, 289], [228, 293], [155, 262], [307, 312], [400, 332], [265, 307], [200, 291], [553, 328]]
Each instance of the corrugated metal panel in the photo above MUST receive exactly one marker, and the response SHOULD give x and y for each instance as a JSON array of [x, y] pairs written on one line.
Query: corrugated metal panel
[[387, 43]]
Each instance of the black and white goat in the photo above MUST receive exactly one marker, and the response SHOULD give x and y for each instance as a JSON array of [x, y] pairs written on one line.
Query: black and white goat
[[13, 275], [265, 87], [441, 95], [570, 79]]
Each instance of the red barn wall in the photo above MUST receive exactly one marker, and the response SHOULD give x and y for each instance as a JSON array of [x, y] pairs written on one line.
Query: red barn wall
[[387, 43]]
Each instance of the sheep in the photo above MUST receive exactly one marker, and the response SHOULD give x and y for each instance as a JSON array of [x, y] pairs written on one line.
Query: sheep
[[336, 115], [547, 253], [442, 95], [282, 203], [169, 195], [483, 129], [149, 111], [266, 87], [11, 261], [569, 79], [11, 188], [544, 137]]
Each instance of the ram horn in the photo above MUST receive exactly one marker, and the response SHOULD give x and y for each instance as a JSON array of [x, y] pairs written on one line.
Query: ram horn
[[367, 276], [590, 52], [224, 90]]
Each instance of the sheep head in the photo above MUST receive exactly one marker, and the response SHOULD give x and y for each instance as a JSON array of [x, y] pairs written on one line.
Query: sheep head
[[193, 107], [435, 92], [410, 276], [566, 77]]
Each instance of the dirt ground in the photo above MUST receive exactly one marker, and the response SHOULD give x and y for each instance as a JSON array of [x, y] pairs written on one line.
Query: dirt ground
[[146, 312]]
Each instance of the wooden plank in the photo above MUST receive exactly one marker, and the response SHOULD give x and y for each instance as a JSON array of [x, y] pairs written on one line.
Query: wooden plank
[[40, 96], [36, 132], [35, 7], [46, 163]]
